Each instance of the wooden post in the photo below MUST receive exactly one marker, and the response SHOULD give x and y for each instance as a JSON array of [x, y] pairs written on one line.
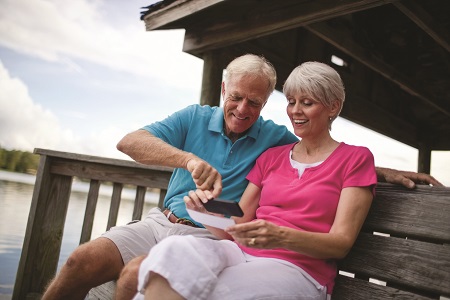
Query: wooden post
[[212, 79], [43, 236], [424, 159]]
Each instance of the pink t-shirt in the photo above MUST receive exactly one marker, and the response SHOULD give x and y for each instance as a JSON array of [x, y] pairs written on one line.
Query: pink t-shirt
[[307, 203]]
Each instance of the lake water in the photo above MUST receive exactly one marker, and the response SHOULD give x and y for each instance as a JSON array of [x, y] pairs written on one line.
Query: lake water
[[16, 191]]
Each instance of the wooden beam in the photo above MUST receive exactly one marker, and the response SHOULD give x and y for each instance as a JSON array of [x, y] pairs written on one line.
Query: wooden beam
[[176, 11], [344, 42], [212, 79], [424, 163], [422, 19], [439, 140], [269, 18]]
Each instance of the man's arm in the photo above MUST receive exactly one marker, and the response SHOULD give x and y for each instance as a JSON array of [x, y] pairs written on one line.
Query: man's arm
[[148, 149], [407, 179]]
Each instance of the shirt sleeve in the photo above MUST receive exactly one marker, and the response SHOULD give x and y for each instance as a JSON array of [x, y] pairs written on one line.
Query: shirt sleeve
[[255, 175], [173, 129], [361, 171]]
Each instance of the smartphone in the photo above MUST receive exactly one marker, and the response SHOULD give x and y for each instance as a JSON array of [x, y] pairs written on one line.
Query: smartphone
[[224, 207]]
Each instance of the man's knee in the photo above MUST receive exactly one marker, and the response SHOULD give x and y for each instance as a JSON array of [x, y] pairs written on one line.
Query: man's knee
[[95, 256]]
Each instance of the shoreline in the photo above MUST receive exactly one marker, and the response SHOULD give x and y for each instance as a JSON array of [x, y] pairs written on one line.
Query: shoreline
[[79, 186]]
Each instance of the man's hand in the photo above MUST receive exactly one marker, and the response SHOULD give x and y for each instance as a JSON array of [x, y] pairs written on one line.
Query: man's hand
[[205, 176], [407, 179]]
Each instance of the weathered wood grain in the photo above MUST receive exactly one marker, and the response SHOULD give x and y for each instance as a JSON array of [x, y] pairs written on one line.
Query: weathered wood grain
[[355, 289]]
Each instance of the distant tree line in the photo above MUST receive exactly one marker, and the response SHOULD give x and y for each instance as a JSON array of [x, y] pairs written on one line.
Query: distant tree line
[[18, 161]]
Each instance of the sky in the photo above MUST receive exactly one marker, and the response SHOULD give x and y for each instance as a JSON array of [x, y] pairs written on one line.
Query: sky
[[76, 76]]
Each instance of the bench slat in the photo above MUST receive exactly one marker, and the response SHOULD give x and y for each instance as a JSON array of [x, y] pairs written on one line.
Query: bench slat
[[422, 213], [414, 264], [352, 288]]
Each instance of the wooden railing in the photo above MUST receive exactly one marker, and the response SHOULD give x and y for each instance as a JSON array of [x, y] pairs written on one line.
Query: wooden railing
[[45, 227]]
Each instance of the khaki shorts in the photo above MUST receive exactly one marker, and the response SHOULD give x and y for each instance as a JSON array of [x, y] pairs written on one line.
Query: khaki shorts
[[138, 238]]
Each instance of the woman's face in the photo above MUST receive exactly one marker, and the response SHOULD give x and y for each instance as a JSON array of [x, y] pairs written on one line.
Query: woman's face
[[309, 117], [244, 97]]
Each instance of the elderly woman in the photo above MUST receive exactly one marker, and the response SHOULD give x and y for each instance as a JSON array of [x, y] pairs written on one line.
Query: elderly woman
[[303, 209]]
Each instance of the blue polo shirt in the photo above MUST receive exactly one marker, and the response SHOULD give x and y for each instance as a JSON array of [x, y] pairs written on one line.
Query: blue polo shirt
[[199, 130]]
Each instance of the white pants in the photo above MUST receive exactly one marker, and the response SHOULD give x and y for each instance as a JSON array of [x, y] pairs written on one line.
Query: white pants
[[199, 268]]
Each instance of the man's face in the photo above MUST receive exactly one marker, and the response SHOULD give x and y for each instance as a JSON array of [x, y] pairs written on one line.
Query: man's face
[[244, 98]]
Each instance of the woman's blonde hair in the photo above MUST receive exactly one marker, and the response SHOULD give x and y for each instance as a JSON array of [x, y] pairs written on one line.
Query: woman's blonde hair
[[319, 81]]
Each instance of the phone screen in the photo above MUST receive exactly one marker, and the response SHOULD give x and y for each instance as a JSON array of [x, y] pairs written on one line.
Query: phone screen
[[224, 207]]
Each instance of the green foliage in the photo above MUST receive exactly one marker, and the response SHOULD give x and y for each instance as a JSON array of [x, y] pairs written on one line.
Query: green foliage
[[18, 161]]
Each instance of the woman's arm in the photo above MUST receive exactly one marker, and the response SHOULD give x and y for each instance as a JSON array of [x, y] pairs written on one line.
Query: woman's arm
[[354, 204]]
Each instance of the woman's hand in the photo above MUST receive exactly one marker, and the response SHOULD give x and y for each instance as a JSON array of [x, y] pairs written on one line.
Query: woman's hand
[[257, 234], [195, 199]]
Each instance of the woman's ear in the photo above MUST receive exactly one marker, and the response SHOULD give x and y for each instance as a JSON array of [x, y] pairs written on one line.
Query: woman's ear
[[335, 108]]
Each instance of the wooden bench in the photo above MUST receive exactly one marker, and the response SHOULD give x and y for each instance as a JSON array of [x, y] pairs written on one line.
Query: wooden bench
[[410, 253], [408, 257]]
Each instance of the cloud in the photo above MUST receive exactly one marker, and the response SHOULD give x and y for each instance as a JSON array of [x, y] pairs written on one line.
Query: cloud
[[23, 124], [75, 34], [61, 31]]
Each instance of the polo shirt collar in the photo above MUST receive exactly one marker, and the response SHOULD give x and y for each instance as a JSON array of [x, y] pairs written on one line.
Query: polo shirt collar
[[216, 124]]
